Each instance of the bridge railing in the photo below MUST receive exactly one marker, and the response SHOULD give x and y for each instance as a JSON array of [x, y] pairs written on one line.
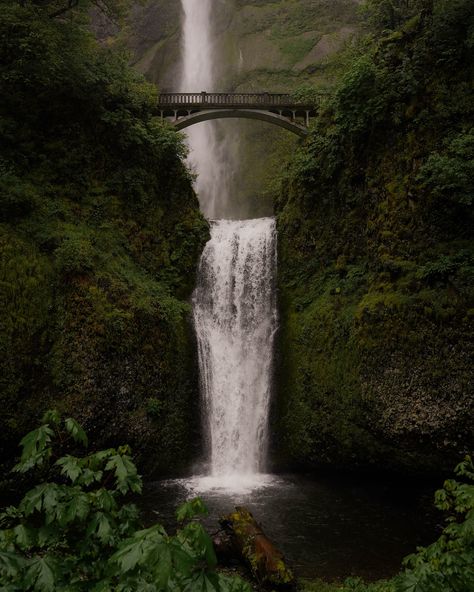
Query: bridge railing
[[223, 99]]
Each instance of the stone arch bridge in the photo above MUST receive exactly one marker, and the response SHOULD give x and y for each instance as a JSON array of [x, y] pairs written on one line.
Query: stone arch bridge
[[186, 109]]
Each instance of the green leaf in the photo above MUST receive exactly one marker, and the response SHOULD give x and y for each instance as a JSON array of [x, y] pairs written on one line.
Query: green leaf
[[137, 549], [33, 500], [191, 509], [42, 574], [125, 471], [101, 527], [47, 535], [104, 500], [35, 449], [70, 467], [76, 431], [465, 468], [88, 477], [9, 514], [128, 555], [200, 543], [233, 584], [51, 416], [182, 560], [203, 582], [164, 566], [78, 507], [11, 564], [103, 586], [51, 495], [24, 536]]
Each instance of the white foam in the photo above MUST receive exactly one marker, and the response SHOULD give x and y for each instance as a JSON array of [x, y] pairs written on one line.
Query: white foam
[[233, 484]]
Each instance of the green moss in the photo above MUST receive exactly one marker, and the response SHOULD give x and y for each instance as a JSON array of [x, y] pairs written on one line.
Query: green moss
[[295, 48]]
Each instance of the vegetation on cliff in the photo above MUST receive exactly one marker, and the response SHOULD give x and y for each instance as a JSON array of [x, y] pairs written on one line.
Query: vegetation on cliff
[[376, 259], [100, 233]]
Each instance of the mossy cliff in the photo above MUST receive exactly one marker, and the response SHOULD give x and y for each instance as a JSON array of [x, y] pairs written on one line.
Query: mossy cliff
[[100, 234], [269, 44], [376, 258]]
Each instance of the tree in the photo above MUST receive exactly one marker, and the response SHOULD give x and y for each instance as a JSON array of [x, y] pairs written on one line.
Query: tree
[[391, 14]]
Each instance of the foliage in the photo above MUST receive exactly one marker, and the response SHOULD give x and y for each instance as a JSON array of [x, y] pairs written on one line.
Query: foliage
[[349, 585], [375, 226], [391, 14], [307, 94], [75, 255], [78, 531], [100, 234], [450, 175], [448, 564], [447, 266]]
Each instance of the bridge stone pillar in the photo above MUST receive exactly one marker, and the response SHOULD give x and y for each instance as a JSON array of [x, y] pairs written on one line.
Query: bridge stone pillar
[[203, 96]]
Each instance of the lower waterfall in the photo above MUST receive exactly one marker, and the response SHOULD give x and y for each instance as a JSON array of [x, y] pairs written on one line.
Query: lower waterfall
[[235, 316]]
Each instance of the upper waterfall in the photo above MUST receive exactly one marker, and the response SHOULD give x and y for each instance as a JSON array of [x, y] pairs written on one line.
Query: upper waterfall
[[207, 152]]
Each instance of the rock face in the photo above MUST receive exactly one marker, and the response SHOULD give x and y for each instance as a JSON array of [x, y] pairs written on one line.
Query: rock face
[[277, 40]]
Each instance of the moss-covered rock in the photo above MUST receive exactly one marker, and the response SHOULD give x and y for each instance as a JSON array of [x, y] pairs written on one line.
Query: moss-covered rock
[[266, 563]]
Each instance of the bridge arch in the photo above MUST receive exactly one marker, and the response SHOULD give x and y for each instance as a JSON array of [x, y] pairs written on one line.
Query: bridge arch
[[186, 109], [267, 116]]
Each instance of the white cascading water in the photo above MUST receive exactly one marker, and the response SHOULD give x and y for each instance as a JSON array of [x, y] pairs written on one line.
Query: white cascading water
[[198, 74], [236, 317], [234, 303]]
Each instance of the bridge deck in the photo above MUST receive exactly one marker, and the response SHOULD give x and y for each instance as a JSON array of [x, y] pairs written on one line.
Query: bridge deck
[[205, 100]]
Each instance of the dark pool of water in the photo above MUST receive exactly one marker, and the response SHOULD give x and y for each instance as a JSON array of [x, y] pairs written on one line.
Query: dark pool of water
[[328, 527]]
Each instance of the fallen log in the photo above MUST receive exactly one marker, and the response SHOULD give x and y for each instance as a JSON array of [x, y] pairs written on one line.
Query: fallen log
[[264, 560]]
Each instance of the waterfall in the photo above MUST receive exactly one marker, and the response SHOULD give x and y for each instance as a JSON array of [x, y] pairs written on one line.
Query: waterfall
[[235, 317], [234, 304], [207, 150]]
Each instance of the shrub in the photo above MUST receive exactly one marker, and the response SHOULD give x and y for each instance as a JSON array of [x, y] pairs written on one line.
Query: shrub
[[77, 531], [449, 175], [448, 564], [75, 255]]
